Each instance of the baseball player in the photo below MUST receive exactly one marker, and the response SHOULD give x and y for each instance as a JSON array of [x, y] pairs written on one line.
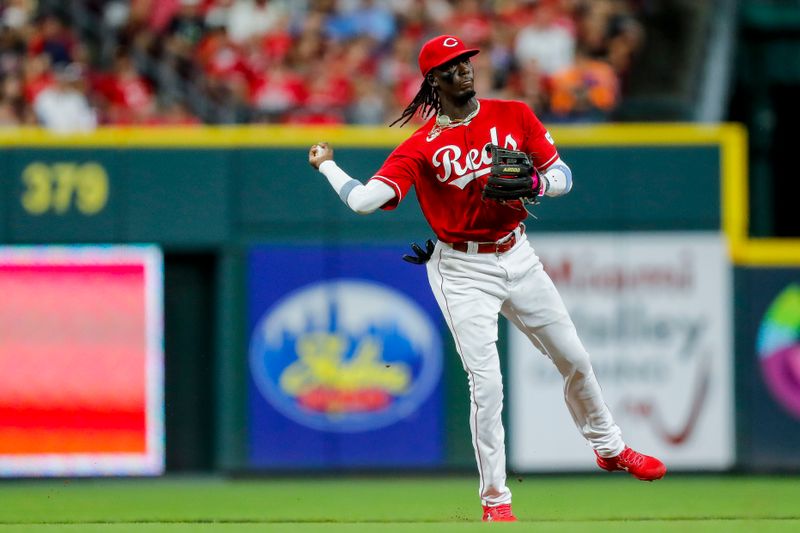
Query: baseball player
[[470, 165]]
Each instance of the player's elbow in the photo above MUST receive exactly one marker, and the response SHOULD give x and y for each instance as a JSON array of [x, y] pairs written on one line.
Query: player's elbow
[[361, 206], [367, 199], [364, 211]]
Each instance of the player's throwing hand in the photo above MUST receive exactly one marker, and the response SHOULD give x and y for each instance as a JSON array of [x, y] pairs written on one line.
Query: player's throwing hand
[[318, 153]]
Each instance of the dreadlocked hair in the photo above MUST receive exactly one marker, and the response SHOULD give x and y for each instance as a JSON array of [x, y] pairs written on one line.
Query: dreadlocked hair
[[427, 98]]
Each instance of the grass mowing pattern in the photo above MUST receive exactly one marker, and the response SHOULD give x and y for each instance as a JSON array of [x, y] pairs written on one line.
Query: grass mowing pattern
[[592, 503]]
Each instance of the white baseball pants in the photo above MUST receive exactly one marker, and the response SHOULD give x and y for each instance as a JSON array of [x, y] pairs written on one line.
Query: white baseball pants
[[472, 289]]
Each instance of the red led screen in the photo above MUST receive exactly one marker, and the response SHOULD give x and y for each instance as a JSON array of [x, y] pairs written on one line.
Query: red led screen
[[77, 361]]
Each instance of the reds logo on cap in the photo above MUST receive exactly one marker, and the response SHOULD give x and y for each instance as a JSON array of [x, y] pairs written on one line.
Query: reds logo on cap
[[440, 50]]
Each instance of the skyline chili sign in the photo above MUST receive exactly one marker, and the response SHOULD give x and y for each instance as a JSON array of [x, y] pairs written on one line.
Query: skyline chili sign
[[344, 359]]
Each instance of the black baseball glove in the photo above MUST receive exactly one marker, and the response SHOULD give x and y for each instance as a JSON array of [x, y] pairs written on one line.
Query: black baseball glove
[[513, 176], [421, 256]]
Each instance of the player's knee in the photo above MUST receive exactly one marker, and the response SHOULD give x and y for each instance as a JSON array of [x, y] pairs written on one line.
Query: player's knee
[[576, 365], [487, 385]]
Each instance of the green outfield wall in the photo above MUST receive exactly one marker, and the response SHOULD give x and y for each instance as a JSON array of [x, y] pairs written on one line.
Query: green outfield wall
[[205, 195], [207, 188]]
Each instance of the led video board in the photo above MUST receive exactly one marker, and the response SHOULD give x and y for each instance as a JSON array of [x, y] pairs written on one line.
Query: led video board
[[81, 361]]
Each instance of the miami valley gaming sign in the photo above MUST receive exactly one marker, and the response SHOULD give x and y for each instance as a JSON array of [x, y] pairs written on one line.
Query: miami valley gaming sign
[[345, 360], [654, 312]]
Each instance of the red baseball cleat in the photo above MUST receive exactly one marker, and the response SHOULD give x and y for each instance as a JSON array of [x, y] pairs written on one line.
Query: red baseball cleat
[[498, 513], [637, 464]]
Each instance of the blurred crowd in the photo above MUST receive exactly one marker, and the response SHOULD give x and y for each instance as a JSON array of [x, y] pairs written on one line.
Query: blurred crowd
[[74, 65]]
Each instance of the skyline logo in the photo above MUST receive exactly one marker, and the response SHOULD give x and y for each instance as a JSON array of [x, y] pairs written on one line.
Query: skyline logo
[[345, 356]]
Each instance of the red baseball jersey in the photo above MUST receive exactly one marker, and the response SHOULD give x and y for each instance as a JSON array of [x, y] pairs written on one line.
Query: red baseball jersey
[[449, 168]]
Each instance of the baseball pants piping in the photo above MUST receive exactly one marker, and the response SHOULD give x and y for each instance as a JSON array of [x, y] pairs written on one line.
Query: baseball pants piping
[[472, 290]]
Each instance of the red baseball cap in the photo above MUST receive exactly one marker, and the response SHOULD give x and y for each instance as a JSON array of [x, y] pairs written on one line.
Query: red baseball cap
[[440, 50]]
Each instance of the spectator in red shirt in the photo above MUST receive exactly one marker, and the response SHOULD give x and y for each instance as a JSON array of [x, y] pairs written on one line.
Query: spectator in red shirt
[[157, 13], [329, 95], [516, 15], [220, 57], [36, 75], [277, 92], [469, 19], [129, 95]]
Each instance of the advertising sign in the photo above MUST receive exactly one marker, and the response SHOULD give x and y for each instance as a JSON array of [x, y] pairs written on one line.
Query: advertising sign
[[778, 348], [345, 359], [653, 311], [768, 319], [81, 361]]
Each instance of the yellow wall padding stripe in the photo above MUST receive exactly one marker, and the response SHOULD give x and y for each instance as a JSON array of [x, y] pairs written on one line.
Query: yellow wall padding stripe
[[351, 136]]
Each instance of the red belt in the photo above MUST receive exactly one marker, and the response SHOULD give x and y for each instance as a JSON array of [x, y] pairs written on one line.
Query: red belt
[[498, 247]]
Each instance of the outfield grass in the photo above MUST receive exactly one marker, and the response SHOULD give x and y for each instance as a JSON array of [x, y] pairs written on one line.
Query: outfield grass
[[602, 503]]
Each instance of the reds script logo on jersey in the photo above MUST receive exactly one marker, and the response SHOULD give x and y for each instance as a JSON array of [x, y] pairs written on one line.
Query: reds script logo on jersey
[[475, 163], [449, 167]]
